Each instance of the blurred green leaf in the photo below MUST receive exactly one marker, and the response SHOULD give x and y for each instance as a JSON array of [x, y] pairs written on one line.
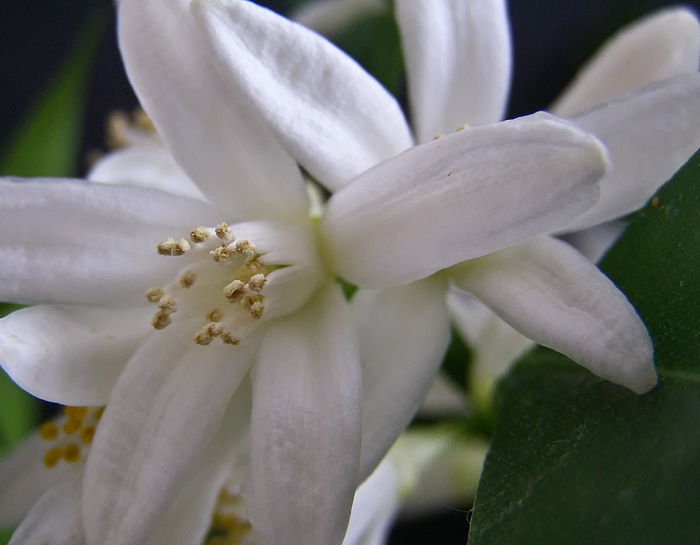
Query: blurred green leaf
[[48, 141], [5, 536], [576, 459]]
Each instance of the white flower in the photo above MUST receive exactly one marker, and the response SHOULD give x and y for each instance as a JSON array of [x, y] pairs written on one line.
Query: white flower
[[248, 306]]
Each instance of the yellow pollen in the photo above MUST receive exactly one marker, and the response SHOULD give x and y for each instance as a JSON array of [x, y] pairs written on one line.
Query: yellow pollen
[[256, 309], [214, 315], [245, 248], [153, 295], [71, 454], [462, 127], [222, 255], [437, 137], [71, 426], [234, 291], [97, 413], [142, 121], [200, 234], [223, 232], [187, 280], [257, 282], [161, 321], [86, 434], [229, 337], [48, 431], [75, 413], [172, 247], [52, 456], [167, 304]]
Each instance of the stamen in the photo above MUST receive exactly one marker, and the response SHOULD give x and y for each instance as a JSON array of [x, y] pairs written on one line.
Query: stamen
[[172, 247], [200, 234], [154, 295], [256, 309], [223, 232], [53, 456], [234, 291], [208, 332], [67, 445], [257, 282], [167, 304], [71, 454], [222, 255], [161, 321], [214, 315], [187, 280], [229, 337], [245, 248], [48, 431]]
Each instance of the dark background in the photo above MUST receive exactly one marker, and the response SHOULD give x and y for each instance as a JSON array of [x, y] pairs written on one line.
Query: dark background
[[551, 38]]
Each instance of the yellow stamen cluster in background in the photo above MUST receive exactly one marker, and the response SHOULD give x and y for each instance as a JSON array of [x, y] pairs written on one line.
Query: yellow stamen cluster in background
[[229, 526], [70, 434], [244, 287], [119, 124]]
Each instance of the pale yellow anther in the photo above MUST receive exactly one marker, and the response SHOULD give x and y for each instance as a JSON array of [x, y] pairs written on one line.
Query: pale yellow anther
[[257, 282], [234, 291], [200, 234], [86, 434], [181, 247], [208, 332], [166, 247], [48, 431], [71, 454], [71, 426], [223, 232], [187, 280], [153, 295], [161, 321], [229, 337], [167, 304], [53, 456], [142, 121], [97, 413], [252, 264], [75, 413], [214, 315], [117, 126], [462, 127], [245, 248], [222, 255], [256, 309], [437, 137]]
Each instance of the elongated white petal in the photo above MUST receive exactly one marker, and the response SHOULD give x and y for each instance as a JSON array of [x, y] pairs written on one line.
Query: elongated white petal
[[71, 355], [148, 165], [662, 45], [404, 332], [374, 508], [24, 479], [595, 241], [163, 411], [460, 197], [549, 292], [212, 132], [458, 62], [327, 111], [305, 431], [328, 17], [649, 136], [78, 242], [55, 519], [190, 516]]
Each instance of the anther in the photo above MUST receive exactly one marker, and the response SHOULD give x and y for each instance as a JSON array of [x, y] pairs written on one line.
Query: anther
[[462, 127], [234, 291], [86, 434], [208, 332], [154, 295], [200, 234], [187, 280], [172, 247], [245, 248], [214, 315], [222, 255], [161, 321], [256, 309], [257, 282], [71, 426], [53, 456], [48, 431], [167, 304], [223, 232], [71, 454], [230, 338]]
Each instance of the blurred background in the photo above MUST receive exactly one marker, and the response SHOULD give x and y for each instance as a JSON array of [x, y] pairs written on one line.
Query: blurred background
[[551, 39]]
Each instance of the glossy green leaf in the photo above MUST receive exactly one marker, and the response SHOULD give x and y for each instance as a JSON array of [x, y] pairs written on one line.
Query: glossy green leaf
[[48, 141], [578, 460]]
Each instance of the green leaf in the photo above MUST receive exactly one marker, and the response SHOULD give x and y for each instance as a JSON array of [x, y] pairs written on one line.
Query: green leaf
[[576, 459], [5, 536], [48, 142]]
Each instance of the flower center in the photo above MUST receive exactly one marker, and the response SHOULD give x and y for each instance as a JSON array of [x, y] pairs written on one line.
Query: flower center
[[224, 283], [69, 434]]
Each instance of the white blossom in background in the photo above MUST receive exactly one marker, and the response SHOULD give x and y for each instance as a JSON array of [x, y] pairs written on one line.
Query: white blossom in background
[[247, 355]]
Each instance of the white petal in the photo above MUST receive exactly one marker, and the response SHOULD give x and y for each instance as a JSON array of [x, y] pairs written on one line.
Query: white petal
[[328, 17], [212, 132], [660, 46], [334, 118], [55, 519], [595, 241], [24, 479], [375, 505], [189, 519], [71, 355], [163, 412], [458, 62], [78, 242], [148, 165], [549, 292], [459, 197], [649, 136], [404, 332], [305, 436]]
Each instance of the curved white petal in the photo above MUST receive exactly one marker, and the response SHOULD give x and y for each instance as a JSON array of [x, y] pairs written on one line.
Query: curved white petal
[[335, 119], [595, 241], [549, 292], [71, 355], [328, 17], [404, 332], [212, 132], [148, 165], [305, 431], [55, 519], [162, 414], [24, 479], [79, 242], [660, 46], [190, 516], [375, 505], [460, 197], [458, 62], [649, 136]]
